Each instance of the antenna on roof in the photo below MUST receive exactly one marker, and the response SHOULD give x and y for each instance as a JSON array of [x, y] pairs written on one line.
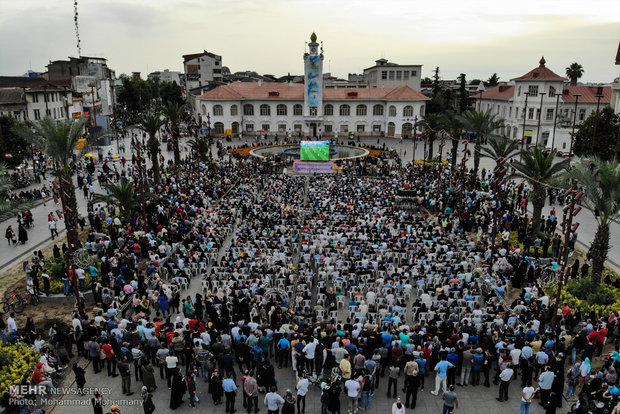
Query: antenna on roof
[[77, 28]]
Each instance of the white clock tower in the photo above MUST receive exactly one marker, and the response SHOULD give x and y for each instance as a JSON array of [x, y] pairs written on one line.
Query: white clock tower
[[313, 88]]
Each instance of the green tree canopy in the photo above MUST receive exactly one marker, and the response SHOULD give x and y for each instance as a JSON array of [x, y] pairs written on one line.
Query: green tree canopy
[[574, 72], [606, 134], [493, 80], [136, 94], [171, 92], [12, 143]]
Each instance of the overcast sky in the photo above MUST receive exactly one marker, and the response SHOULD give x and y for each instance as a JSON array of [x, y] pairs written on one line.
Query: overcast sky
[[477, 37]]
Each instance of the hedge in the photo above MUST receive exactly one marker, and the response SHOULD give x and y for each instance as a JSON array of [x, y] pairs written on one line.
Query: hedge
[[17, 363], [583, 294]]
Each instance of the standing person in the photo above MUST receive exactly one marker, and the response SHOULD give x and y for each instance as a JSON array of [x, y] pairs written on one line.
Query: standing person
[[125, 370], [302, 390], [80, 377], [289, 403], [110, 358], [250, 388], [353, 392], [527, 395], [215, 387], [273, 401], [412, 383], [178, 389], [148, 375], [191, 388], [147, 401], [52, 225], [398, 407], [367, 387], [230, 390], [545, 381], [10, 235], [22, 234], [505, 376], [450, 401], [171, 367], [393, 379], [97, 402], [441, 368]]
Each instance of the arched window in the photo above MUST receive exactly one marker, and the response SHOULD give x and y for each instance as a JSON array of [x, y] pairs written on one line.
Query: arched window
[[265, 110], [406, 130], [219, 128], [377, 110], [392, 112], [218, 110], [297, 110], [345, 110], [281, 110], [551, 92], [204, 109], [248, 109], [408, 111], [422, 110], [360, 110], [391, 128], [508, 131], [234, 110], [328, 110]]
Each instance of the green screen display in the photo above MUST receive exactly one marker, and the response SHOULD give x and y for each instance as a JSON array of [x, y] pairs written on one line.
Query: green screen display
[[314, 150]]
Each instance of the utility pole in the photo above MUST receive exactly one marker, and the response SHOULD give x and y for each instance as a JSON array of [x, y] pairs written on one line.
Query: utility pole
[[443, 137], [540, 114], [555, 119], [92, 93], [599, 95], [527, 94], [500, 170], [572, 134], [415, 137], [567, 228]]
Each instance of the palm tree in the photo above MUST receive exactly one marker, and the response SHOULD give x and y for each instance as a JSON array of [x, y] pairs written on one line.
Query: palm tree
[[201, 147], [601, 183], [574, 72], [432, 122], [172, 111], [539, 170], [451, 121], [500, 150], [151, 125], [122, 195], [482, 124]]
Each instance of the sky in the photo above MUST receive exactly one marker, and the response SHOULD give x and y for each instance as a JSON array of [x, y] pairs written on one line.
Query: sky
[[475, 37]]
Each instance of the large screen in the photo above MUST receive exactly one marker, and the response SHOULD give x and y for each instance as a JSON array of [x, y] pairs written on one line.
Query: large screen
[[314, 150]]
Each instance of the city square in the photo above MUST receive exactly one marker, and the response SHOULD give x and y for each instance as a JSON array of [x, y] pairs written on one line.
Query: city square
[[235, 242]]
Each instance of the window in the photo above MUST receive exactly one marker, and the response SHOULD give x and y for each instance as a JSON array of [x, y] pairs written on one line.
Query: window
[[234, 110], [281, 127], [281, 110], [530, 113], [297, 110], [249, 127], [35, 97], [219, 128], [384, 74], [414, 73], [344, 128], [564, 145], [37, 114], [361, 128], [549, 115], [408, 111], [204, 109], [391, 75], [297, 127], [53, 97], [328, 128], [345, 110], [48, 112], [422, 110], [217, 70], [537, 113], [519, 91], [582, 114], [406, 75], [313, 111], [217, 63], [360, 110], [377, 110], [510, 112], [218, 110], [328, 110], [391, 129], [532, 90], [265, 110], [248, 110], [46, 98], [551, 92], [399, 74], [265, 127]]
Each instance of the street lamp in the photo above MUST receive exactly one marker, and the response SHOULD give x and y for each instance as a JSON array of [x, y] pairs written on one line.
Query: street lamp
[[92, 92], [527, 94], [555, 119], [540, 113], [572, 134]]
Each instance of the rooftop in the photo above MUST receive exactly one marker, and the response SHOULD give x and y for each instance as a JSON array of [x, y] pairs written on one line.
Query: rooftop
[[501, 92], [588, 94], [197, 55], [541, 73]]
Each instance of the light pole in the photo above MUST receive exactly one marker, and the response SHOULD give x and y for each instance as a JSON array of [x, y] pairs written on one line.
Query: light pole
[[540, 114], [443, 137], [527, 94], [572, 134], [92, 92], [599, 95], [555, 119]]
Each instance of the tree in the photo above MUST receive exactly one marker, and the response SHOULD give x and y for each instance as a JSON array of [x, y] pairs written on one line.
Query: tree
[[539, 170], [171, 92], [493, 80], [574, 72], [435, 82], [463, 96], [201, 147], [12, 143], [59, 141], [606, 134], [432, 124], [452, 122], [135, 94], [151, 125], [475, 82], [601, 183], [500, 150], [122, 195], [482, 124], [172, 111]]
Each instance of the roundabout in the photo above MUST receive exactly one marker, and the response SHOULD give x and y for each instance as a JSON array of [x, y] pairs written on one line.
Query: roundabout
[[336, 152]]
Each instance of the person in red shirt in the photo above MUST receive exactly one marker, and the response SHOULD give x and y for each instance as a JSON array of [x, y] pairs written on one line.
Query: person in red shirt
[[110, 358], [601, 337], [38, 378]]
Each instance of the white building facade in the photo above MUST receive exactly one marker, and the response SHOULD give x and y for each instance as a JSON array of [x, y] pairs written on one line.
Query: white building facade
[[201, 68], [389, 75], [539, 109]]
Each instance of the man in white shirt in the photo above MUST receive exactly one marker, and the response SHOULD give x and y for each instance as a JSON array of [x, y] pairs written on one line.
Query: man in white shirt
[[353, 390], [171, 366], [10, 323], [302, 390], [526, 398], [505, 376], [309, 352]]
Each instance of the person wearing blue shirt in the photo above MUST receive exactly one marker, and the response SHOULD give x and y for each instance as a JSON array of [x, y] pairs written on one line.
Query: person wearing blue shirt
[[442, 374], [421, 369], [452, 358], [283, 347], [477, 367], [386, 339], [230, 389], [545, 381]]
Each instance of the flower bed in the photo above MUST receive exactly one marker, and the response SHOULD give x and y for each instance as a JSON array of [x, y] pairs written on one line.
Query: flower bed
[[430, 162], [17, 363], [583, 294], [54, 268]]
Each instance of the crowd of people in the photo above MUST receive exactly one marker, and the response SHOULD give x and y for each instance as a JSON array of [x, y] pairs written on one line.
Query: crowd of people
[[239, 273]]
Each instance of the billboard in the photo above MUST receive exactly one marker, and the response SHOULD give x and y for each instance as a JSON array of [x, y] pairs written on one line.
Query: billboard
[[314, 150], [313, 85], [313, 167]]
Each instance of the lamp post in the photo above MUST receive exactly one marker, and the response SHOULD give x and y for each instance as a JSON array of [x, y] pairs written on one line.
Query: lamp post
[[599, 95], [527, 94], [572, 134], [415, 137], [499, 181], [540, 113], [92, 93], [443, 137], [555, 119]]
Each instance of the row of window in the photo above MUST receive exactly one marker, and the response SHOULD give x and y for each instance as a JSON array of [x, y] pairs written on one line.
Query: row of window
[[327, 128], [328, 110], [534, 113], [532, 91], [397, 74], [55, 113]]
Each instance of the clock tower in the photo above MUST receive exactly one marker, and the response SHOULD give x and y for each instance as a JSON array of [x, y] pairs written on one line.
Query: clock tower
[[313, 88]]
